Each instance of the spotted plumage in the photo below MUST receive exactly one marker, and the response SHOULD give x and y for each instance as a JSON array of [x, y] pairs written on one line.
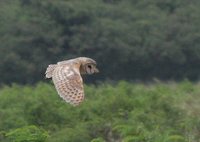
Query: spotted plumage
[[66, 76]]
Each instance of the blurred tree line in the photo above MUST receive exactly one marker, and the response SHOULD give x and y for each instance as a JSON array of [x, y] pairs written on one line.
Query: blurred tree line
[[130, 39]]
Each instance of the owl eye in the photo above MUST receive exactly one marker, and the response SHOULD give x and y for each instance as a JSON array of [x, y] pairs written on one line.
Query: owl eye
[[89, 66]]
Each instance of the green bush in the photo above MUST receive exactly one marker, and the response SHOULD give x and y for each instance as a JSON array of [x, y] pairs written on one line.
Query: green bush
[[27, 134], [159, 112]]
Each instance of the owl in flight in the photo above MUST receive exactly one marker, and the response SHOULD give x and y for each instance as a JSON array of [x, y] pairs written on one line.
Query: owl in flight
[[66, 76]]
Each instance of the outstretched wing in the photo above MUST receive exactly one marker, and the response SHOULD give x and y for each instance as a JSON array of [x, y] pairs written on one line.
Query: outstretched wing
[[49, 71], [69, 84]]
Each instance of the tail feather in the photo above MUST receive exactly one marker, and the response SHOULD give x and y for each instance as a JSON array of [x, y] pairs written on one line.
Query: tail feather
[[49, 71]]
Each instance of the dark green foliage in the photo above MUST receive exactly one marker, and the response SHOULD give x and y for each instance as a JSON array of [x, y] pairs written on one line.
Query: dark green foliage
[[130, 39], [124, 112]]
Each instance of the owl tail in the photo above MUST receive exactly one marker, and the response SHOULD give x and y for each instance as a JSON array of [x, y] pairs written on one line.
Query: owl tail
[[49, 71]]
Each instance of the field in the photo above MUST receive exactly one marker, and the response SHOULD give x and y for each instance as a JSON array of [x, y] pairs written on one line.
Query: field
[[121, 112]]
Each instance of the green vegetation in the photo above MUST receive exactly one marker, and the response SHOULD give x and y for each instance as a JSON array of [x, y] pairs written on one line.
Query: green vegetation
[[27, 134], [130, 39], [122, 112]]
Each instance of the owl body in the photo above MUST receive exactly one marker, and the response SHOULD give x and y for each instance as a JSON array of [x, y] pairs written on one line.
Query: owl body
[[66, 76]]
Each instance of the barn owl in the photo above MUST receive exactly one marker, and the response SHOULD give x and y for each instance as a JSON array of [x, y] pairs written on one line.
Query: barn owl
[[66, 76]]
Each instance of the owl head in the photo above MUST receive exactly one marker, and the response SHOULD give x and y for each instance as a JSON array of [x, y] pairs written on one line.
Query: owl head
[[88, 66]]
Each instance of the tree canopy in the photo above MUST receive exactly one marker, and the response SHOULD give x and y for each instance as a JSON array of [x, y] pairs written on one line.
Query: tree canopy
[[130, 39]]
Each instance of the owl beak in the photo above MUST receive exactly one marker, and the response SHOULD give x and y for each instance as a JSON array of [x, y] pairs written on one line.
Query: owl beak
[[96, 70]]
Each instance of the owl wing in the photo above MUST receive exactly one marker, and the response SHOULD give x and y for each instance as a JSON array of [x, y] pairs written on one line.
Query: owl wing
[[69, 84]]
